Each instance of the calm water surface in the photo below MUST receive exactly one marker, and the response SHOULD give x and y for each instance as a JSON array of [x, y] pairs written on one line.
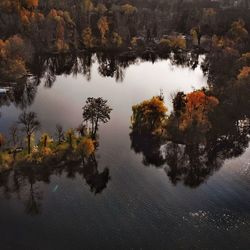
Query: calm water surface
[[140, 208]]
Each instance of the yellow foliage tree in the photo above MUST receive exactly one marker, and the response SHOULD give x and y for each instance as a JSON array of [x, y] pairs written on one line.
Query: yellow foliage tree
[[86, 147], [116, 39], [128, 9], [87, 38], [12, 58], [149, 116]]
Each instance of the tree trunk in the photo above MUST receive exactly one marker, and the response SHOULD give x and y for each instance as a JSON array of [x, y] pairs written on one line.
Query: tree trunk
[[45, 141], [96, 128], [28, 137], [199, 39]]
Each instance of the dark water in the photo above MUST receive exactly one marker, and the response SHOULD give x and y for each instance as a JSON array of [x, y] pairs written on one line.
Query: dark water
[[139, 207]]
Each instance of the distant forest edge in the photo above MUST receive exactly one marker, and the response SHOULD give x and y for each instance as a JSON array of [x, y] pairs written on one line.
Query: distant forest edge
[[29, 27]]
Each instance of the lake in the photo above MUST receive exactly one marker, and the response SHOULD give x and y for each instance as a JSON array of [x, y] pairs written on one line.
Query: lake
[[138, 206]]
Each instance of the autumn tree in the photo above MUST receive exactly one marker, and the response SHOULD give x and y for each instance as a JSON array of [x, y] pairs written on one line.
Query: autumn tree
[[198, 106], [238, 30], [86, 147], [149, 116], [88, 7], [244, 73], [96, 111], [45, 141], [60, 30], [116, 40], [196, 34], [103, 27], [128, 9], [173, 42], [87, 38], [101, 8], [13, 55], [31, 3], [30, 124]]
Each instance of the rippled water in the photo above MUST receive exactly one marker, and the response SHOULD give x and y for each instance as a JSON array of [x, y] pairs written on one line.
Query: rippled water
[[140, 208]]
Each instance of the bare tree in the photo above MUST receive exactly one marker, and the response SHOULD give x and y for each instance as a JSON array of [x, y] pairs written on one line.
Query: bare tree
[[59, 133], [14, 134], [30, 124]]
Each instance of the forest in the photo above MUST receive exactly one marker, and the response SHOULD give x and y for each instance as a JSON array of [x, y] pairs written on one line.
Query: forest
[[29, 28]]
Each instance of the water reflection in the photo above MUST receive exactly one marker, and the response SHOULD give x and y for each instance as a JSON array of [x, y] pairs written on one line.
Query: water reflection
[[188, 162], [203, 132], [189, 159], [23, 182], [46, 69]]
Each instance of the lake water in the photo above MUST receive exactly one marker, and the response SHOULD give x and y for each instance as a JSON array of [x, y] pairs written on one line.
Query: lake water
[[139, 207]]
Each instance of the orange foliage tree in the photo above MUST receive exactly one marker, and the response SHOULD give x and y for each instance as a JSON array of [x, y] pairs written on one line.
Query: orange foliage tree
[[103, 27], [13, 54], [61, 20], [32, 3], [244, 73], [198, 106]]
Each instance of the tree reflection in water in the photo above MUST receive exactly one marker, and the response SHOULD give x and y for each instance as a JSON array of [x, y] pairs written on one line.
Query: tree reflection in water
[[189, 157], [205, 128], [46, 68], [188, 162], [23, 182]]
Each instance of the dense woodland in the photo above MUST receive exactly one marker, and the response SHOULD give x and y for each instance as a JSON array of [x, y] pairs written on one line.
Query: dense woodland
[[31, 27]]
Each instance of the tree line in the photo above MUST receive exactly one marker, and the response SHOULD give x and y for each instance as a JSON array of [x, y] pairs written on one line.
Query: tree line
[[50, 26]]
